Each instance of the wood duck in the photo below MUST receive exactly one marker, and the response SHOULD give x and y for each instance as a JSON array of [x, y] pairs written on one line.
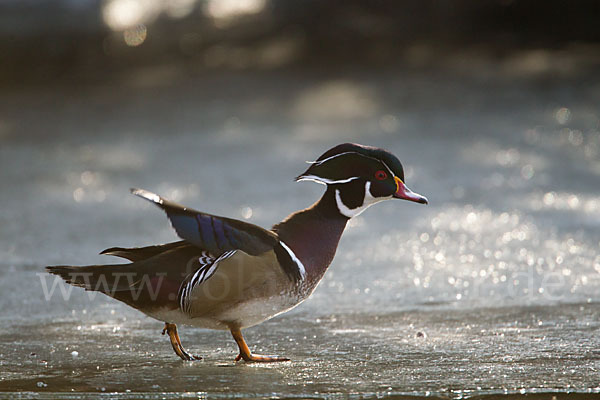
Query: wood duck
[[229, 274]]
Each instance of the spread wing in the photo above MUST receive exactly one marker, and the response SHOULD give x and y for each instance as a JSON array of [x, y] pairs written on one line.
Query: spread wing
[[214, 234]]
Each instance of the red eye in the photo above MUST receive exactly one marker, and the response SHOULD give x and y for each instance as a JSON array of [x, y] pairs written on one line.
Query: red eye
[[380, 175]]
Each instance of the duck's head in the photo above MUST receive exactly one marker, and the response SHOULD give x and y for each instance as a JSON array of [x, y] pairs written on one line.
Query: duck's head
[[360, 176]]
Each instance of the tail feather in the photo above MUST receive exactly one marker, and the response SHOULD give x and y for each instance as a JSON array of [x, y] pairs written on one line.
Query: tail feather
[[152, 280], [102, 278], [142, 253]]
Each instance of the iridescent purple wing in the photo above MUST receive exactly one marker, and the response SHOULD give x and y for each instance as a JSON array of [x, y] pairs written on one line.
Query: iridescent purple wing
[[215, 234]]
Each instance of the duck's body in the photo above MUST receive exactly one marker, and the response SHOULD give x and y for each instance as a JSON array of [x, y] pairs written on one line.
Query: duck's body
[[228, 274], [237, 296]]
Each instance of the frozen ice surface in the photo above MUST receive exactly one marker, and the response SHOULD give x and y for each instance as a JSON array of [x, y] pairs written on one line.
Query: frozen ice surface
[[491, 289]]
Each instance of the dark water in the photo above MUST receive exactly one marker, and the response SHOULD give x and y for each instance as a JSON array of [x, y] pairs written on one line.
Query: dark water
[[492, 289]]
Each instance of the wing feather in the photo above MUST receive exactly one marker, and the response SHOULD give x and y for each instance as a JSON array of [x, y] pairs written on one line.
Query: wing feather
[[215, 234]]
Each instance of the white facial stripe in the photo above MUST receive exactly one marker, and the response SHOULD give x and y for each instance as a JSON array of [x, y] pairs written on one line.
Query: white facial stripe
[[330, 158], [310, 178], [368, 201], [342, 154], [342, 207], [325, 181], [388, 168], [295, 259], [319, 162]]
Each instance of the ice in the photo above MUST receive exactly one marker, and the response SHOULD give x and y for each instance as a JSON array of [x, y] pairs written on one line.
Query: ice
[[493, 288]]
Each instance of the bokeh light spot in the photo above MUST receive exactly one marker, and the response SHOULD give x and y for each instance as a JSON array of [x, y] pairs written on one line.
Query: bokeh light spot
[[562, 115], [247, 212], [135, 36], [123, 14], [527, 171], [226, 10]]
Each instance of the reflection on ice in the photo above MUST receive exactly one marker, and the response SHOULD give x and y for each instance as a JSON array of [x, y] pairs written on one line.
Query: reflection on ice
[[564, 201], [479, 256]]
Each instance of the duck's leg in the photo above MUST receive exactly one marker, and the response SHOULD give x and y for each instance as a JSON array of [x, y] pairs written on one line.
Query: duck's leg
[[171, 329], [245, 353]]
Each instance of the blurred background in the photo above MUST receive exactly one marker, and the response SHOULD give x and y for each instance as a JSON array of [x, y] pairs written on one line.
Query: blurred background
[[492, 106], [70, 41]]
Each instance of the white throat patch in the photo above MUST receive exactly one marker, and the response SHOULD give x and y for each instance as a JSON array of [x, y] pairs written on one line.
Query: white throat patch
[[368, 201]]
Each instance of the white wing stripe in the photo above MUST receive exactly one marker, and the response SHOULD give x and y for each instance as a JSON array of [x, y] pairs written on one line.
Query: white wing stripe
[[206, 270], [294, 259]]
